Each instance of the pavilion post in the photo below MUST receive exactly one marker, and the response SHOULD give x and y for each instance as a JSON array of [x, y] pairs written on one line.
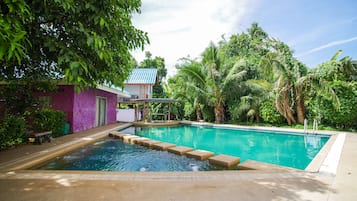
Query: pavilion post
[[169, 117]]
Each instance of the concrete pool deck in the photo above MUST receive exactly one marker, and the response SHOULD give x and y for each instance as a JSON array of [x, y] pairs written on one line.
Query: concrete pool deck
[[218, 185]]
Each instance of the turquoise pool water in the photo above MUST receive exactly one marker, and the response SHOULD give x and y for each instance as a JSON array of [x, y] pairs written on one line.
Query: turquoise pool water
[[110, 154], [287, 149]]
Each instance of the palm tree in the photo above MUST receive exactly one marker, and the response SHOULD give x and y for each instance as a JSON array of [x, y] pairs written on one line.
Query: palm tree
[[190, 86], [195, 82], [218, 78], [256, 92], [293, 83], [287, 71]]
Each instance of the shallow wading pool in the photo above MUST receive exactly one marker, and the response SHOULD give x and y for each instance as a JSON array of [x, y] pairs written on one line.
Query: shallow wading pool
[[110, 154]]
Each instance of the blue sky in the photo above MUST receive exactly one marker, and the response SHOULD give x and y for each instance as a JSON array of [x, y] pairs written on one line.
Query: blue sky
[[314, 29]]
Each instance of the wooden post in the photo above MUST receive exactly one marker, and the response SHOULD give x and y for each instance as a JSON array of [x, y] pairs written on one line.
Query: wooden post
[[169, 117], [145, 112]]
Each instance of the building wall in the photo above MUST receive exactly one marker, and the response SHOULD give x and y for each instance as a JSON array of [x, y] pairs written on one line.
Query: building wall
[[62, 99], [84, 108], [143, 91], [80, 107]]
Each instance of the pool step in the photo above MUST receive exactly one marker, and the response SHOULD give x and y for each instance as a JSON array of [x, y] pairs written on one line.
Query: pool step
[[180, 150], [199, 154], [163, 146], [224, 160]]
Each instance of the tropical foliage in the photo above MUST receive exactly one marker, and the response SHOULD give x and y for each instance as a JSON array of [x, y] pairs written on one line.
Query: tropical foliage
[[85, 42], [82, 42], [253, 77], [49, 120], [12, 131]]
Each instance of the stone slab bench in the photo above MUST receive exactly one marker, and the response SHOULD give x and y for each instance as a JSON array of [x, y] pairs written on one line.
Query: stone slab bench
[[199, 154], [180, 150], [163, 146], [224, 160], [40, 137]]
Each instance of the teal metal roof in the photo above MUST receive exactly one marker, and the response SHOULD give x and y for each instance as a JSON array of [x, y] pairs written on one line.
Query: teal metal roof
[[142, 76]]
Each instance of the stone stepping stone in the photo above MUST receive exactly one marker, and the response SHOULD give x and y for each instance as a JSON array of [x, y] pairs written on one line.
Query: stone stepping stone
[[180, 150], [138, 140], [199, 154], [163, 146], [149, 143], [117, 134], [126, 138], [224, 160]]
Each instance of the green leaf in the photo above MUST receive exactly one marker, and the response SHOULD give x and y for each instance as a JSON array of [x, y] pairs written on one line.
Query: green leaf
[[102, 22]]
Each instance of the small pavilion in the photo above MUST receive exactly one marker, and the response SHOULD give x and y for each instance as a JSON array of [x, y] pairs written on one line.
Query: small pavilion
[[144, 106]]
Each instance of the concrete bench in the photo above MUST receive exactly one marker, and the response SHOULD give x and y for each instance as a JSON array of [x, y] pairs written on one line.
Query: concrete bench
[[40, 137]]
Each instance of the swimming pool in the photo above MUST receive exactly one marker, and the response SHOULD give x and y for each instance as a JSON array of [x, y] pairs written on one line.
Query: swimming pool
[[294, 150], [110, 154]]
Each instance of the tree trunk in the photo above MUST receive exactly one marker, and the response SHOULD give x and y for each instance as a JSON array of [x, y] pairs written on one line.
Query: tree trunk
[[300, 107], [198, 113], [284, 107], [219, 113]]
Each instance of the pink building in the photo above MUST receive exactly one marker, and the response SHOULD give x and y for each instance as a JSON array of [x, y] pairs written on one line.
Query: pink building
[[88, 109]]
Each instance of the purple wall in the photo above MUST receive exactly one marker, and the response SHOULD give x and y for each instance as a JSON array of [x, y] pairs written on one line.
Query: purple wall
[[84, 108], [80, 107], [62, 100]]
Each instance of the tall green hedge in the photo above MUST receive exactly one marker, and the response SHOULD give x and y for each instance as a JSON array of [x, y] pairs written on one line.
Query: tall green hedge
[[49, 120], [346, 116], [12, 131]]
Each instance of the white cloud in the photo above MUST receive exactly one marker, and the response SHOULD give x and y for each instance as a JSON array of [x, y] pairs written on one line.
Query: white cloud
[[180, 28], [328, 45]]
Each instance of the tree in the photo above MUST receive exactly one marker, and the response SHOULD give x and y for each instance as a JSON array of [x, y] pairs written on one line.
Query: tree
[[333, 100], [194, 80], [85, 42], [286, 71], [219, 79], [13, 40]]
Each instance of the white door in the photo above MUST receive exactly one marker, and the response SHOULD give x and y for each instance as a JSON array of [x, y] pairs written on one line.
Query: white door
[[100, 111]]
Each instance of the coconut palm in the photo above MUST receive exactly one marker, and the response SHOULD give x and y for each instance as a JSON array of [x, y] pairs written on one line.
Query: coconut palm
[[293, 84], [286, 71], [218, 79], [255, 93]]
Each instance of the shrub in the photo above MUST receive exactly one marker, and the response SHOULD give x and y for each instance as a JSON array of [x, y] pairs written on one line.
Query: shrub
[[346, 116], [12, 131], [270, 114], [208, 114], [49, 120]]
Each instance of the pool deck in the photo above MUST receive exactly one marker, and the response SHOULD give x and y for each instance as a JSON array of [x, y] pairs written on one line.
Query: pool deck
[[268, 184]]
